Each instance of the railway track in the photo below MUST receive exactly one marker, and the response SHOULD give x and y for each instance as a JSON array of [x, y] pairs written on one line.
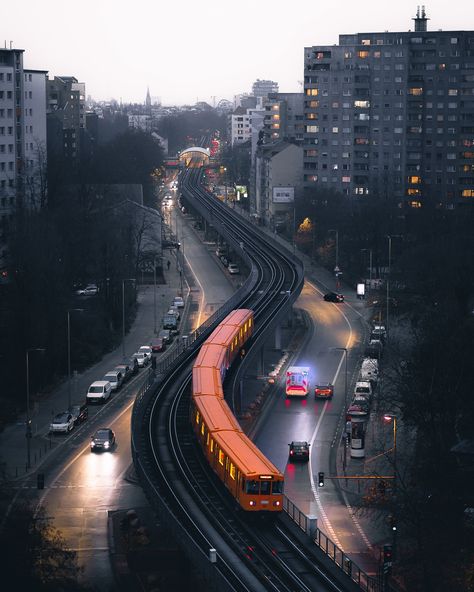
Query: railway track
[[252, 553]]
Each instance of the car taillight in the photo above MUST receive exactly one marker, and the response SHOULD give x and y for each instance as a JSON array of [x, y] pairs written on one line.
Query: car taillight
[[251, 503], [277, 503]]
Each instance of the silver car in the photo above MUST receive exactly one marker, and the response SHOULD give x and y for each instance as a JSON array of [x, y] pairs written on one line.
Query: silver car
[[62, 423]]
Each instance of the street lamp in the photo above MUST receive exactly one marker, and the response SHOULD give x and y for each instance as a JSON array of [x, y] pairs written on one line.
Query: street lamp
[[389, 418], [344, 349], [370, 266], [69, 354], [28, 420], [336, 267], [154, 296], [123, 313], [389, 236]]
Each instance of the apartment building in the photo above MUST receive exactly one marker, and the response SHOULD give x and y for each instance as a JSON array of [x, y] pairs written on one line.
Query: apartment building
[[262, 88], [392, 114], [22, 137], [66, 119], [284, 119]]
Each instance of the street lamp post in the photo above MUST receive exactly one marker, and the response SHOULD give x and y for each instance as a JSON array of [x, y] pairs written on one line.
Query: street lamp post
[[388, 418], [28, 419], [154, 296], [370, 266], [69, 354], [123, 313], [337, 247], [389, 236], [344, 349]]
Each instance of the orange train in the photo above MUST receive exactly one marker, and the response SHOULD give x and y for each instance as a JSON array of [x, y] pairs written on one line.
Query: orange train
[[251, 478]]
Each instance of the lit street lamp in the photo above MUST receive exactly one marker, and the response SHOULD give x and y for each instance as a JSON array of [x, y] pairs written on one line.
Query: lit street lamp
[[69, 354], [28, 420], [388, 418]]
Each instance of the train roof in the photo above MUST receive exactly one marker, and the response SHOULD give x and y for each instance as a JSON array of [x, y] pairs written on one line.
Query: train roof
[[250, 461], [237, 317], [207, 381], [216, 414], [210, 355]]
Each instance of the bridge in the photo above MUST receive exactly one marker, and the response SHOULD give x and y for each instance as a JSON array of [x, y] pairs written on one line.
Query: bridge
[[194, 157]]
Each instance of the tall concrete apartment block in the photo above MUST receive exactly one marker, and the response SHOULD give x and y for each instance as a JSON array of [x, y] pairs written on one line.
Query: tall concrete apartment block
[[284, 118], [392, 114], [262, 88], [22, 135]]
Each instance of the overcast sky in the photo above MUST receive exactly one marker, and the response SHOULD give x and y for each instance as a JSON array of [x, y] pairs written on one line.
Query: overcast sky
[[186, 50]]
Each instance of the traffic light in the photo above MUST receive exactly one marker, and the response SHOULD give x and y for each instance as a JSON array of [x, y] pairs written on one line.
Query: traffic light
[[321, 479], [387, 559]]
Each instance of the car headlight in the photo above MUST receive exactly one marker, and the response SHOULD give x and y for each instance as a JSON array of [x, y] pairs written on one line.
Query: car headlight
[[106, 444], [92, 444]]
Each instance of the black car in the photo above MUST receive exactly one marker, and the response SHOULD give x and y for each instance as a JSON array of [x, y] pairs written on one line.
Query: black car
[[299, 450], [103, 439], [79, 413], [333, 297]]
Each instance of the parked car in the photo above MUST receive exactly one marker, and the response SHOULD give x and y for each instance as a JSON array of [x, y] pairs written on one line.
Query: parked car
[[90, 290], [358, 407], [165, 335], [62, 423], [132, 362], [333, 297], [379, 332], [169, 322], [99, 391], [146, 349], [233, 269], [324, 391], [224, 260], [115, 377], [299, 450], [178, 302], [157, 345], [141, 358], [103, 439], [126, 371], [173, 312], [79, 413], [363, 388]]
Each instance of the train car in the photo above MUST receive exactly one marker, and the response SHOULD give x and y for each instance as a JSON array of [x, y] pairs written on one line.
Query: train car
[[255, 483]]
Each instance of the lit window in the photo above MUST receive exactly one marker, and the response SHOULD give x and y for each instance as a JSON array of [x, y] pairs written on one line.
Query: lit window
[[232, 470], [467, 193], [363, 54], [417, 91], [221, 457]]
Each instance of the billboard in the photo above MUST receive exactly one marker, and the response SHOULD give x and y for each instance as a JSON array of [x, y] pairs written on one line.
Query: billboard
[[283, 194]]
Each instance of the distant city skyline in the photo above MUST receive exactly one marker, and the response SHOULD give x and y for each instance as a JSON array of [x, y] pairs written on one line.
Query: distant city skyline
[[217, 51]]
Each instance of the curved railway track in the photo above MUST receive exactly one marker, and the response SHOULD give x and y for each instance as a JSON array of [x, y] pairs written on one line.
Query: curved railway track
[[183, 489]]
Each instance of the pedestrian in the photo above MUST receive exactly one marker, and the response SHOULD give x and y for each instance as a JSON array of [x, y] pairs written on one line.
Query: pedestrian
[[168, 264]]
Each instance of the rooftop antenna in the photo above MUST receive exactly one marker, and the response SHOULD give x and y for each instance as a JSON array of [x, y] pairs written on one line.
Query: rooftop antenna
[[421, 20]]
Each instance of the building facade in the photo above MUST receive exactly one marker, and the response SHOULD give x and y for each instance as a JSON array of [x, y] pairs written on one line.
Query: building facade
[[22, 138], [392, 114], [278, 174], [262, 88], [284, 118]]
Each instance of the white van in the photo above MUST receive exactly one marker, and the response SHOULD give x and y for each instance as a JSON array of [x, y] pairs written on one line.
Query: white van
[[363, 388], [99, 391], [369, 370]]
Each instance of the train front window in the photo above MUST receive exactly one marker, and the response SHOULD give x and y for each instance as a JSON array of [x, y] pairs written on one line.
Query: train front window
[[277, 487], [252, 487], [265, 487]]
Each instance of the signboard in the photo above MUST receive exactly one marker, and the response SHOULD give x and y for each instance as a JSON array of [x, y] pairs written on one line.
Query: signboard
[[283, 194], [361, 290]]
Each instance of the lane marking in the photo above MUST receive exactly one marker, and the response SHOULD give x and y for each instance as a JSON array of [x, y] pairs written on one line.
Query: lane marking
[[314, 488]]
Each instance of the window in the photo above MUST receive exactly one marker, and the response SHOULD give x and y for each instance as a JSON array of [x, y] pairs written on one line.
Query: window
[[313, 92], [221, 460], [312, 129]]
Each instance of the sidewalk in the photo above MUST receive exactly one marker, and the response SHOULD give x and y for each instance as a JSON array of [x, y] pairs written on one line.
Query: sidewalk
[[13, 446]]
